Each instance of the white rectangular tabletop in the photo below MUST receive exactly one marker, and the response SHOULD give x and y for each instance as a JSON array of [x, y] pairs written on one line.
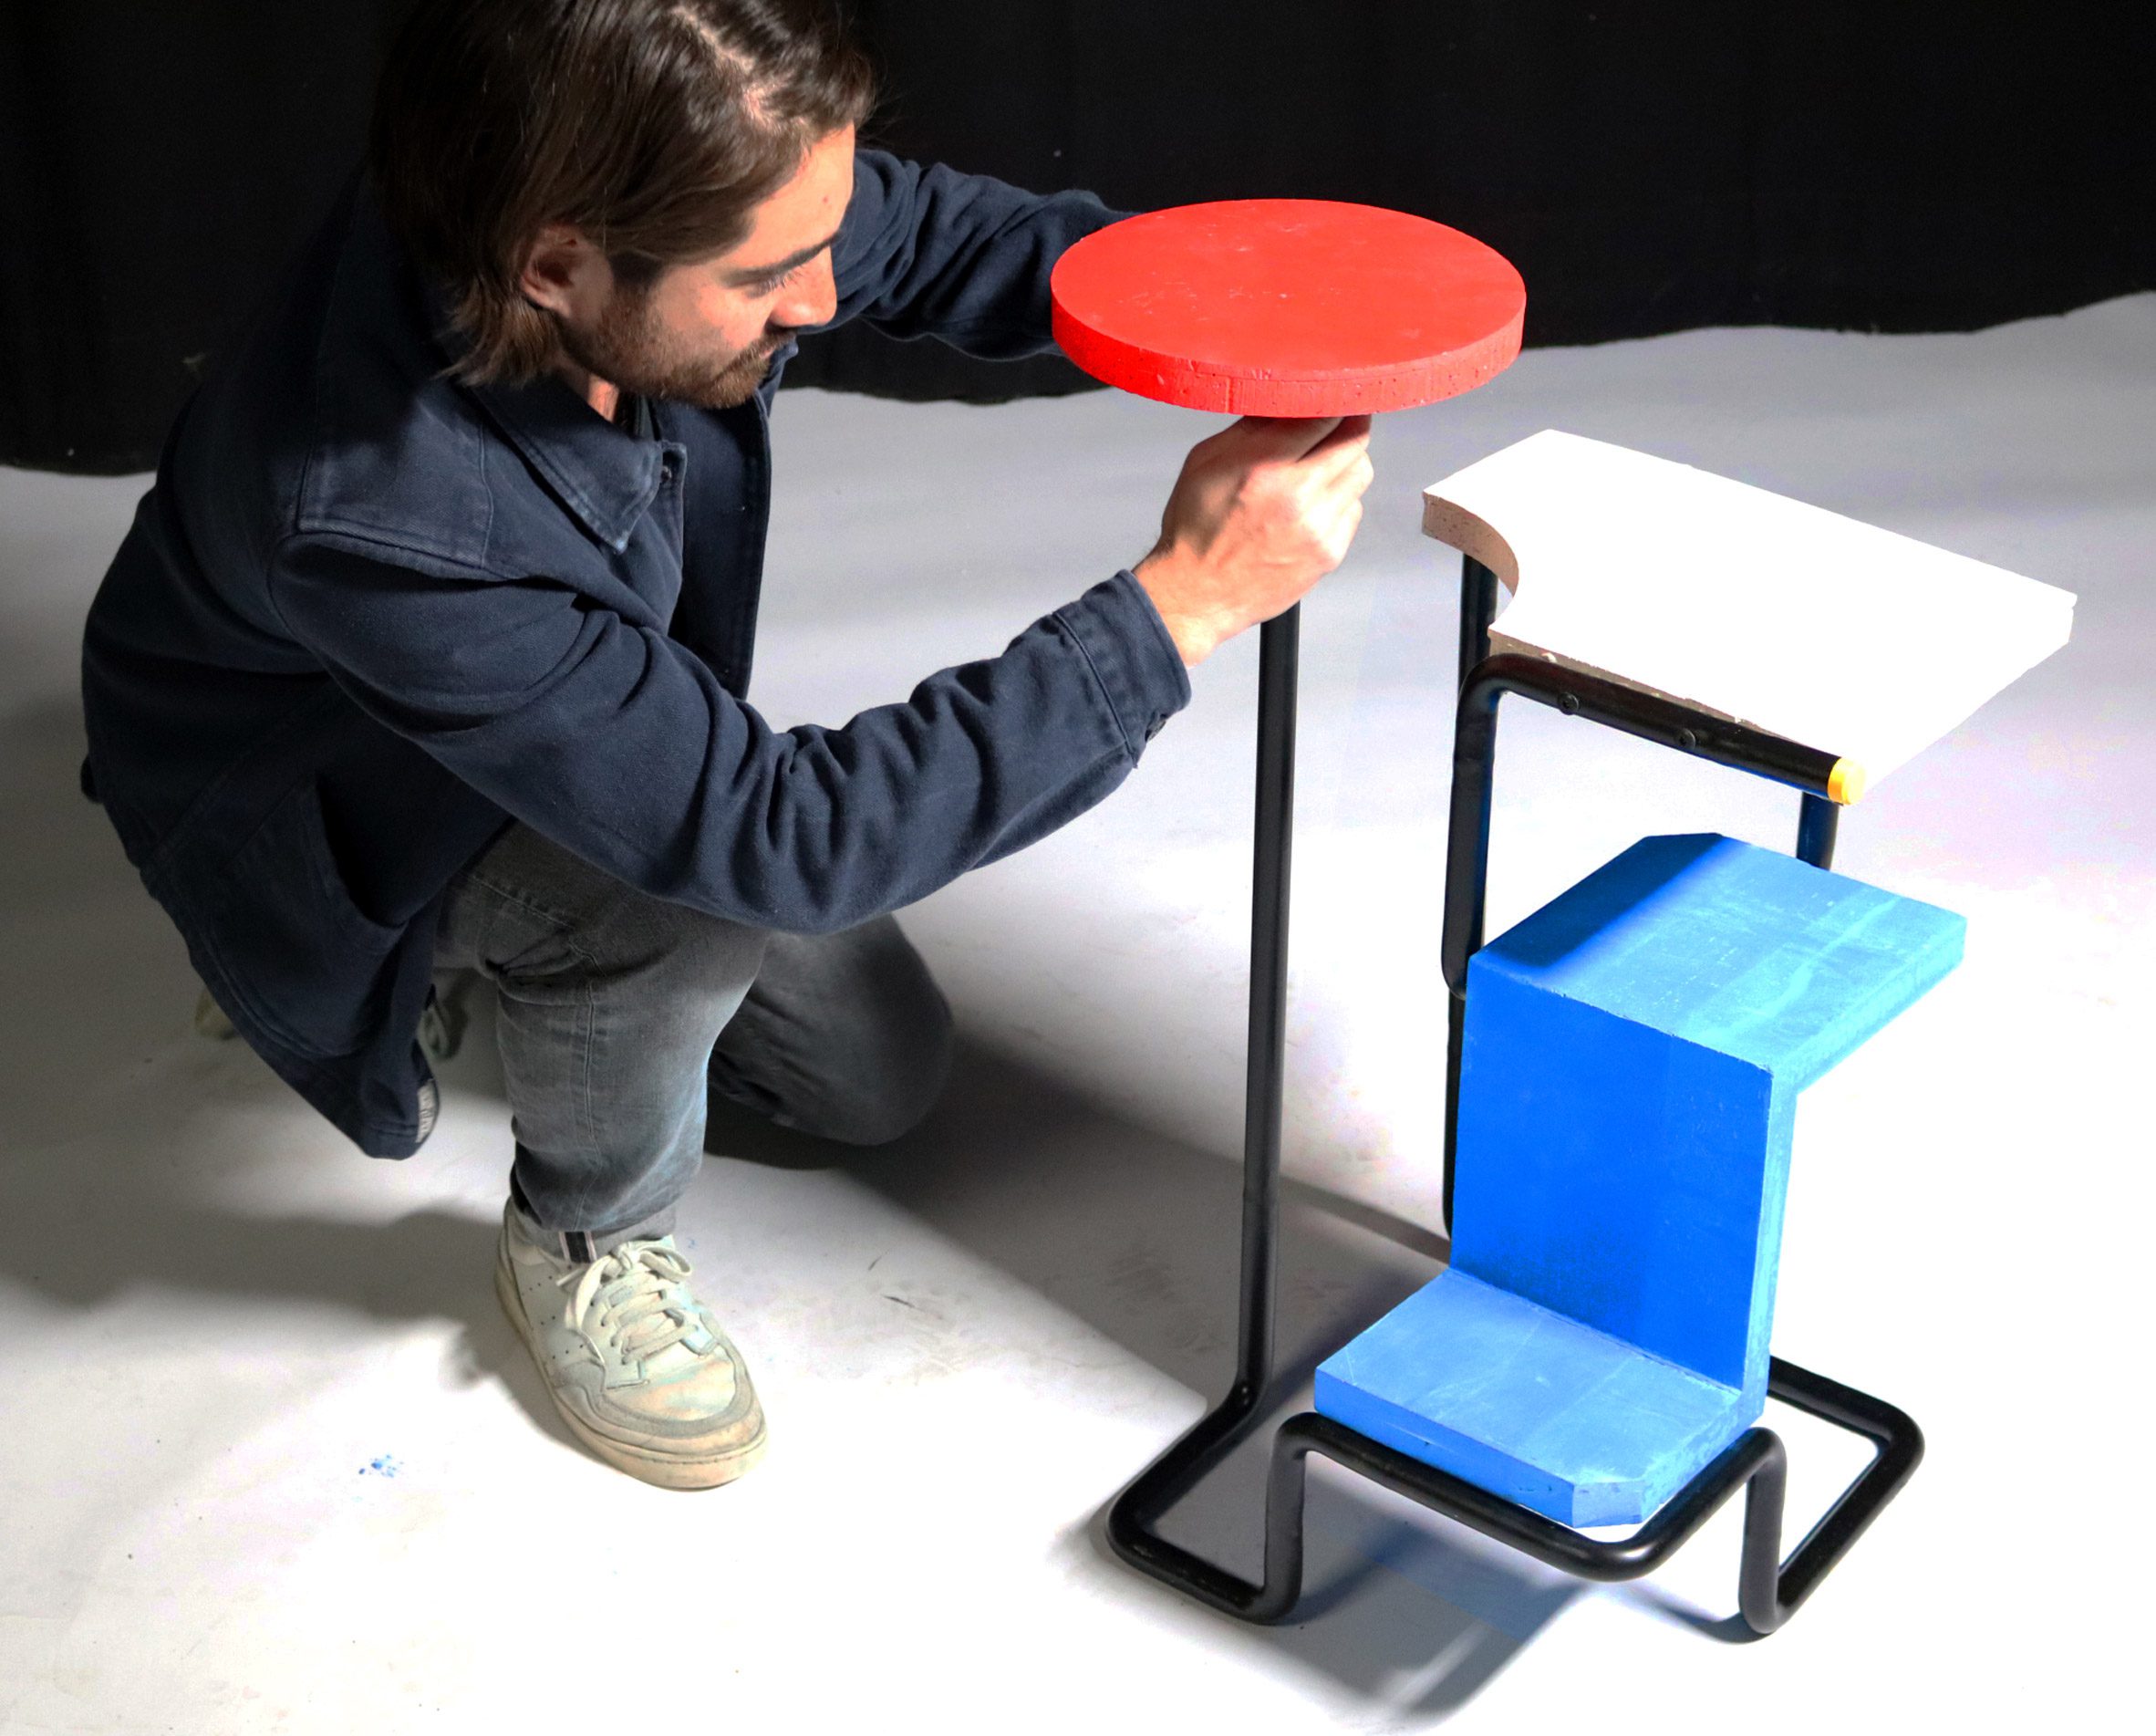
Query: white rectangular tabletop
[[1836, 634]]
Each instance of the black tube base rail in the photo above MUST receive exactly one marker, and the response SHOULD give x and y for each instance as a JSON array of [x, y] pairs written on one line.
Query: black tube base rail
[[1770, 1589]]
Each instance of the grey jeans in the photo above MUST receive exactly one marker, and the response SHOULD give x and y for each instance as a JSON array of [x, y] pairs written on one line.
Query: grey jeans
[[618, 1010]]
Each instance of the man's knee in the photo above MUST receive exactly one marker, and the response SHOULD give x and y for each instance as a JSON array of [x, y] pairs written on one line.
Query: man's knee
[[896, 1080], [845, 1038], [889, 1049]]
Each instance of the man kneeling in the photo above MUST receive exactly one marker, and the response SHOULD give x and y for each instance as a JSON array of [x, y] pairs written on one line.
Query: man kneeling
[[429, 648]]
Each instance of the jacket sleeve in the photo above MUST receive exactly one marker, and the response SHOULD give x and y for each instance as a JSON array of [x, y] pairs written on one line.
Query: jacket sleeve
[[928, 252], [621, 746]]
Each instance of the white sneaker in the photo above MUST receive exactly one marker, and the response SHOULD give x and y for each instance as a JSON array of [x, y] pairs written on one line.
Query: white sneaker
[[637, 1365], [210, 1020]]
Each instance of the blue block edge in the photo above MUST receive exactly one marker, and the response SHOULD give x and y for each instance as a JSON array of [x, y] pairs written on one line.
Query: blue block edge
[[1410, 1341]]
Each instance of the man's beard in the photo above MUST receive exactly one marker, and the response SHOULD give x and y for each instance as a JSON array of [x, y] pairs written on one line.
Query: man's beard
[[627, 349]]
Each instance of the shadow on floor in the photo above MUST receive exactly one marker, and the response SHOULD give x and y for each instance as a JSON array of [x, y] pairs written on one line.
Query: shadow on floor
[[426, 1265], [1140, 1236], [103, 1068], [1132, 1232]]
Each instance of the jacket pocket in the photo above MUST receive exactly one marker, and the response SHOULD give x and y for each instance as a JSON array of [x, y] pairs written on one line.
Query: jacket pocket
[[305, 960]]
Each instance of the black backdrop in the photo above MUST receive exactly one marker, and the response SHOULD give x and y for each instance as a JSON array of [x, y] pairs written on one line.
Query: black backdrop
[[1877, 164]]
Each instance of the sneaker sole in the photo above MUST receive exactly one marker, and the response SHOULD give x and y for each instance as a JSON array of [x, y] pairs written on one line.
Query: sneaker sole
[[663, 1470]]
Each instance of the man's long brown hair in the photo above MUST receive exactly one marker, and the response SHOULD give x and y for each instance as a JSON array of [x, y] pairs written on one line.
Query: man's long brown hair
[[655, 125]]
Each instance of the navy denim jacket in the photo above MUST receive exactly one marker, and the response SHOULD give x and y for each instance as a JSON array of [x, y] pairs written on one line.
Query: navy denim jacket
[[366, 617]]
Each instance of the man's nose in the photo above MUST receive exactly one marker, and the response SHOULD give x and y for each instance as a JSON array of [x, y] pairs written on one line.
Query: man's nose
[[812, 299]]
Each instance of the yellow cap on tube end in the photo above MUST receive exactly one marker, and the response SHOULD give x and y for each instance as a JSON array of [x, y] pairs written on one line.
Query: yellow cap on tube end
[[1845, 783]]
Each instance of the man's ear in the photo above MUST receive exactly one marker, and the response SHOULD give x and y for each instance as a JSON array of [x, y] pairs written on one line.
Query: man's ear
[[564, 273]]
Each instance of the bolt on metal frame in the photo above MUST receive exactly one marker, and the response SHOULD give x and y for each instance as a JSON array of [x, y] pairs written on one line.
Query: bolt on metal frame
[[1770, 1587]]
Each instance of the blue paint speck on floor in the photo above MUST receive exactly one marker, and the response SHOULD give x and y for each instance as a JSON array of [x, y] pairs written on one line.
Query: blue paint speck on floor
[[385, 1466]]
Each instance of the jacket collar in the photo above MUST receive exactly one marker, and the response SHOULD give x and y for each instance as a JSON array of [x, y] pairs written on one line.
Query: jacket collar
[[604, 474]]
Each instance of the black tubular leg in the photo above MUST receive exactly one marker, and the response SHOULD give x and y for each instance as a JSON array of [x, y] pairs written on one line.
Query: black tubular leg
[[1136, 1512], [1456, 1040], [1275, 829], [1478, 609], [1817, 822], [1900, 1449]]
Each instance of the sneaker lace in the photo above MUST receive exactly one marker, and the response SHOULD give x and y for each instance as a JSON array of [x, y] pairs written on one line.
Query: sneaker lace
[[641, 1303]]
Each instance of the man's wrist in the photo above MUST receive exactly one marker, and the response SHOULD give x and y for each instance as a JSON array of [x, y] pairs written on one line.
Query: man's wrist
[[1194, 638]]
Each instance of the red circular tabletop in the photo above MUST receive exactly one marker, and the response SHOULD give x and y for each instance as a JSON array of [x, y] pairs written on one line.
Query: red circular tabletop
[[1287, 308]]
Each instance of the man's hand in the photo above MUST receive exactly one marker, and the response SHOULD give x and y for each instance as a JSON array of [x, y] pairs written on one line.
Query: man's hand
[[1262, 510]]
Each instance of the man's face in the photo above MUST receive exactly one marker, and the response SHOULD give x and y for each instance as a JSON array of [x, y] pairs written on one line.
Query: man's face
[[703, 332]]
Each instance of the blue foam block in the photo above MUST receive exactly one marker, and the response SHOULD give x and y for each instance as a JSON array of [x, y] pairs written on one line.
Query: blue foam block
[[1526, 1403], [1632, 1059], [1740, 949], [1633, 1055]]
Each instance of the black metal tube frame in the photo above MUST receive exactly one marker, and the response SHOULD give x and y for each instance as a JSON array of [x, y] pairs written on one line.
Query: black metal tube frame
[[1770, 1589], [1578, 694]]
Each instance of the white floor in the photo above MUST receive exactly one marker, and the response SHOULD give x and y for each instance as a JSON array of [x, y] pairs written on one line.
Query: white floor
[[274, 1461]]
